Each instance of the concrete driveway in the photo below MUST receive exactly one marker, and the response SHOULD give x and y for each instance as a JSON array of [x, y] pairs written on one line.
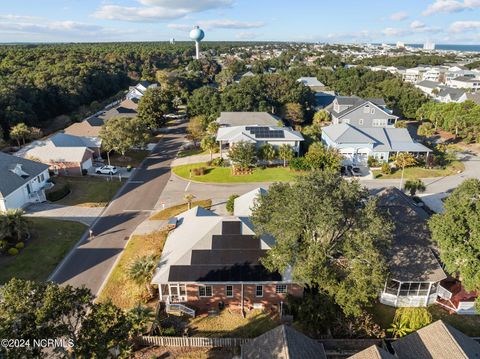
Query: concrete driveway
[[86, 215]]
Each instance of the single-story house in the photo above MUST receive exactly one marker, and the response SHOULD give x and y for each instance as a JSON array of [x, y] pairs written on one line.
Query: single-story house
[[356, 144], [126, 108], [22, 182], [450, 94], [415, 272], [429, 87], [312, 83], [361, 113], [231, 119], [65, 154], [260, 135], [89, 127], [283, 342], [438, 340], [210, 261], [137, 92]]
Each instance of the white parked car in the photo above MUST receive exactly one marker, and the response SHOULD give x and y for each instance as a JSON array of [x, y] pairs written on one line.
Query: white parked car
[[106, 170]]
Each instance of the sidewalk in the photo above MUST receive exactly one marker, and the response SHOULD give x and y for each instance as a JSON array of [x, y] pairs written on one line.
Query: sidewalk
[[86, 215], [194, 159]]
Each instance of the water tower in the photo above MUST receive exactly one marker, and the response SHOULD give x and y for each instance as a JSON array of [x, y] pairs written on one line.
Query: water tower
[[197, 35]]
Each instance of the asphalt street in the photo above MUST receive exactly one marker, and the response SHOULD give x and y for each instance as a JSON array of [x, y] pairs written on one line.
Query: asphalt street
[[89, 263]]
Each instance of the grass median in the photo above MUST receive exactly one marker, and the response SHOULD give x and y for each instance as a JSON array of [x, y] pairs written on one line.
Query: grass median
[[50, 241], [224, 174], [173, 211], [422, 172]]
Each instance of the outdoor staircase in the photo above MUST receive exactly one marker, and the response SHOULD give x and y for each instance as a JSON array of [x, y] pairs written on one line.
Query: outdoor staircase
[[179, 308]]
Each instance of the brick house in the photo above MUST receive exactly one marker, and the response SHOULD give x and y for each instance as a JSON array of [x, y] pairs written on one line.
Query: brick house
[[210, 261]]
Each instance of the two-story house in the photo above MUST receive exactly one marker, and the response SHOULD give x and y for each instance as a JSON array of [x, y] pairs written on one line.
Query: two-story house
[[363, 128], [21, 182], [361, 113], [137, 92]]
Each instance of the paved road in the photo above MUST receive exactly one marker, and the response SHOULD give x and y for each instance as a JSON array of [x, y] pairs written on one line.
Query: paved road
[[92, 260]]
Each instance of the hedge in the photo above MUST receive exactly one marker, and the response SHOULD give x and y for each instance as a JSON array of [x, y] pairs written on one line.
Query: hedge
[[57, 192]]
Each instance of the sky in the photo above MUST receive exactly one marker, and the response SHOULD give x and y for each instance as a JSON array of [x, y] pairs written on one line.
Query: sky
[[340, 21]]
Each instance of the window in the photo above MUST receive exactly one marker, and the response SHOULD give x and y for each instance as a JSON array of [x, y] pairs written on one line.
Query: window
[[360, 122], [281, 289], [205, 291], [372, 111], [229, 291], [259, 291]]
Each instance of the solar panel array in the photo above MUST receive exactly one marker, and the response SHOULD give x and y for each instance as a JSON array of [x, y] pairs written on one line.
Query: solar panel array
[[265, 132]]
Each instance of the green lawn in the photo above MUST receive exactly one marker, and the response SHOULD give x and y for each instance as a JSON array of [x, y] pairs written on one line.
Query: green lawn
[[468, 324], [88, 191], [170, 212], [224, 174], [232, 324], [192, 152], [422, 172], [132, 158], [120, 289], [49, 243]]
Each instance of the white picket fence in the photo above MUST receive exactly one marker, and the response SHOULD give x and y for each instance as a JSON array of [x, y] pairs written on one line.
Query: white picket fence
[[192, 341]]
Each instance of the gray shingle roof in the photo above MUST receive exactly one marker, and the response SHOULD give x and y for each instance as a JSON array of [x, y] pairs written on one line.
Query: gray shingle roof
[[454, 93], [428, 84], [383, 139], [412, 256], [355, 102], [247, 119], [437, 341], [373, 352], [9, 181], [283, 342]]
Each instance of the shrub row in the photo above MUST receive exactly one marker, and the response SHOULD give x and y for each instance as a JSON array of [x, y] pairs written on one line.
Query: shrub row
[[57, 192]]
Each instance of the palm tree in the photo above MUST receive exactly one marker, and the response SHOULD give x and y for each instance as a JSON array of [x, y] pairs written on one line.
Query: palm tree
[[209, 143], [141, 271], [140, 316], [399, 329], [414, 185], [14, 225], [189, 198]]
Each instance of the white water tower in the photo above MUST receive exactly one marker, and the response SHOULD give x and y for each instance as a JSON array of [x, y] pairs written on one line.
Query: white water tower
[[197, 35]]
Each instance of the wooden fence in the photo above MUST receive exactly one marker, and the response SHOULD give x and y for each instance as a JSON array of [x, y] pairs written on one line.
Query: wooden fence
[[192, 341]]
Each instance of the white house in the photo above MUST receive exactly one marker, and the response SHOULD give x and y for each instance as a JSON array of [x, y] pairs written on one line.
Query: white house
[[429, 87], [356, 144], [21, 182], [137, 92], [312, 83], [465, 82], [260, 135]]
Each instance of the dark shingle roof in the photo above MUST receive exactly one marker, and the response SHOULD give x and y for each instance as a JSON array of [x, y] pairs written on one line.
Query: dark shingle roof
[[412, 256], [283, 342], [9, 181], [437, 341]]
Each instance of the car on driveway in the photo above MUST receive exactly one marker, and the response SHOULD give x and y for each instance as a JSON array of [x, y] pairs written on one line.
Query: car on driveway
[[106, 170]]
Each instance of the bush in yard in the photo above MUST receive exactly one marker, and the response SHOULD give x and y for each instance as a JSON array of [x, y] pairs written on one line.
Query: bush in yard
[[386, 169], [243, 155], [13, 251], [19, 245], [298, 164], [372, 162], [57, 192], [231, 203], [216, 162], [129, 168], [414, 318], [200, 171]]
